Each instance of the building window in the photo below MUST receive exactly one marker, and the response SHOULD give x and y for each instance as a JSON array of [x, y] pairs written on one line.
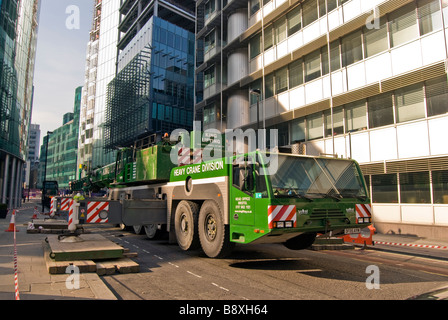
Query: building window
[[257, 84], [324, 60], [295, 73], [209, 77], [440, 186], [351, 48], [335, 56], [429, 15], [255, 46], [209, 41], [209, 8], [312, 66], [254, 6], [294, 20], [380, 110], [356, 116], [338, 122], [269, 85], [384, 188], [298, 130], [414, 187], [268, 37], [375, 40], [280, 30], [281, 80], [409, 103], [209, 115], [437, 96], [403, 25], [309, 8], [314, 126], [322, 8]]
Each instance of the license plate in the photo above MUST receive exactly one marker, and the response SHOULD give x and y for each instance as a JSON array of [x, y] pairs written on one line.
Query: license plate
[[352, 230]]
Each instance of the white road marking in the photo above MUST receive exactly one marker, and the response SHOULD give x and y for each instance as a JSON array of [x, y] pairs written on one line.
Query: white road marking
[[193, 274], [217, 285]]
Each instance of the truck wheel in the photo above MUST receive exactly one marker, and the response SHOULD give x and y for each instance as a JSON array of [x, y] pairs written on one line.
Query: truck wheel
[[213, 234], [152, 231], [185, 224], [137, 229], [300, 242]]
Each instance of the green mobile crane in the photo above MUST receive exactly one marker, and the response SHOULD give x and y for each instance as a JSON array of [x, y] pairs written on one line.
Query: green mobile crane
[[235, 199]]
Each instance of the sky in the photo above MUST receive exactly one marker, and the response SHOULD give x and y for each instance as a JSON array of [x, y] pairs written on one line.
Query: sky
[[60, 59]]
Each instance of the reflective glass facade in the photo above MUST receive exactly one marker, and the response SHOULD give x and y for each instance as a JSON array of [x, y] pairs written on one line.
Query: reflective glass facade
[[153, 91], [18, 35]]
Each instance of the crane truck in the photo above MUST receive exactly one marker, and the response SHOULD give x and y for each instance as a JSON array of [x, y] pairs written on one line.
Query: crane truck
[[213, 205]]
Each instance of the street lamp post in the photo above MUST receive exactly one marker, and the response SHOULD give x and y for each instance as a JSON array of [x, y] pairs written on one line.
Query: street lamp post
[[257, 93]]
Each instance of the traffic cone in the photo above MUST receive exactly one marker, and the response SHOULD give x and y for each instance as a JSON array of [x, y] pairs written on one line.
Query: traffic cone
[[35, 214], [12, 224]]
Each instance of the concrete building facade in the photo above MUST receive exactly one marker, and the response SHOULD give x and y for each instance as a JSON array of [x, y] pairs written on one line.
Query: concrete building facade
[[360, 79]]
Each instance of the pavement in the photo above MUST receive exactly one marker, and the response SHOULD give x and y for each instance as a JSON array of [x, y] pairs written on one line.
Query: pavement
[[35, 282]]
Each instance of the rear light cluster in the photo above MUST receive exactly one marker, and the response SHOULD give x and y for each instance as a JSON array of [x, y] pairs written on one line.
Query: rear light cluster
[[283, 224]]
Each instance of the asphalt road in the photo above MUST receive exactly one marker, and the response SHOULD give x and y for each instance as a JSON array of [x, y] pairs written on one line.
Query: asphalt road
[[270, 272]]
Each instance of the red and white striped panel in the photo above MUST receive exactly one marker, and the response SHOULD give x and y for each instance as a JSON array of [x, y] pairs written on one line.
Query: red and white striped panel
[[93, 211], [65, 204], [183, 156], [53, 205], [197, 156], [282, 213], [363, 211], [70, 213]]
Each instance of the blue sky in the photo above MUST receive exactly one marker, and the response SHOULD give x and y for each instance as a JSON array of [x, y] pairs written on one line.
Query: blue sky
[[60, 61]]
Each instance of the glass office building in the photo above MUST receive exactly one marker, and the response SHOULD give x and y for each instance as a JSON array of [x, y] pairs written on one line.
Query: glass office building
[[153, 89], [153, 92], [101, 61], [18, 36], [63, 147], [360, 79]]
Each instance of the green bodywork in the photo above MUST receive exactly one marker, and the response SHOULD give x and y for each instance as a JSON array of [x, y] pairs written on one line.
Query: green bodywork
[[252, 194], [321, 193]]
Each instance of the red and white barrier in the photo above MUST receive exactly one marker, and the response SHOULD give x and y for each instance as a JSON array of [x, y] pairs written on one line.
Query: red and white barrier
[[411, 245], [94, 208], [183, 156], [12, 228], [65, 204]]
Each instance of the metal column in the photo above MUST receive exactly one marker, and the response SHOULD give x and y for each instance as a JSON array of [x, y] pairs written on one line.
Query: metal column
[[12, 183], [5, 179]]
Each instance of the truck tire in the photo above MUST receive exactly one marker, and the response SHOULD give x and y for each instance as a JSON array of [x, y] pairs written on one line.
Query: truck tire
[[213, 234], [186, 224], [300, 242], [152, 231], [138, 229]]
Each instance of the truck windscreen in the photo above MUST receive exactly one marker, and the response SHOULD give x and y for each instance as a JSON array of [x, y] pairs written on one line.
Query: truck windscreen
[[313, 178]]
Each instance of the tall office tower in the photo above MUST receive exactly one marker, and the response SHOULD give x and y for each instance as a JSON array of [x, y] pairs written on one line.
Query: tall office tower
[[360, 79], [32, 161], [18, 35], [153, 89], [100, 69]]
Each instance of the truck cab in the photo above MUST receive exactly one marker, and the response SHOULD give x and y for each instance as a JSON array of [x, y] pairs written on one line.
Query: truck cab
[[291, 196]]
